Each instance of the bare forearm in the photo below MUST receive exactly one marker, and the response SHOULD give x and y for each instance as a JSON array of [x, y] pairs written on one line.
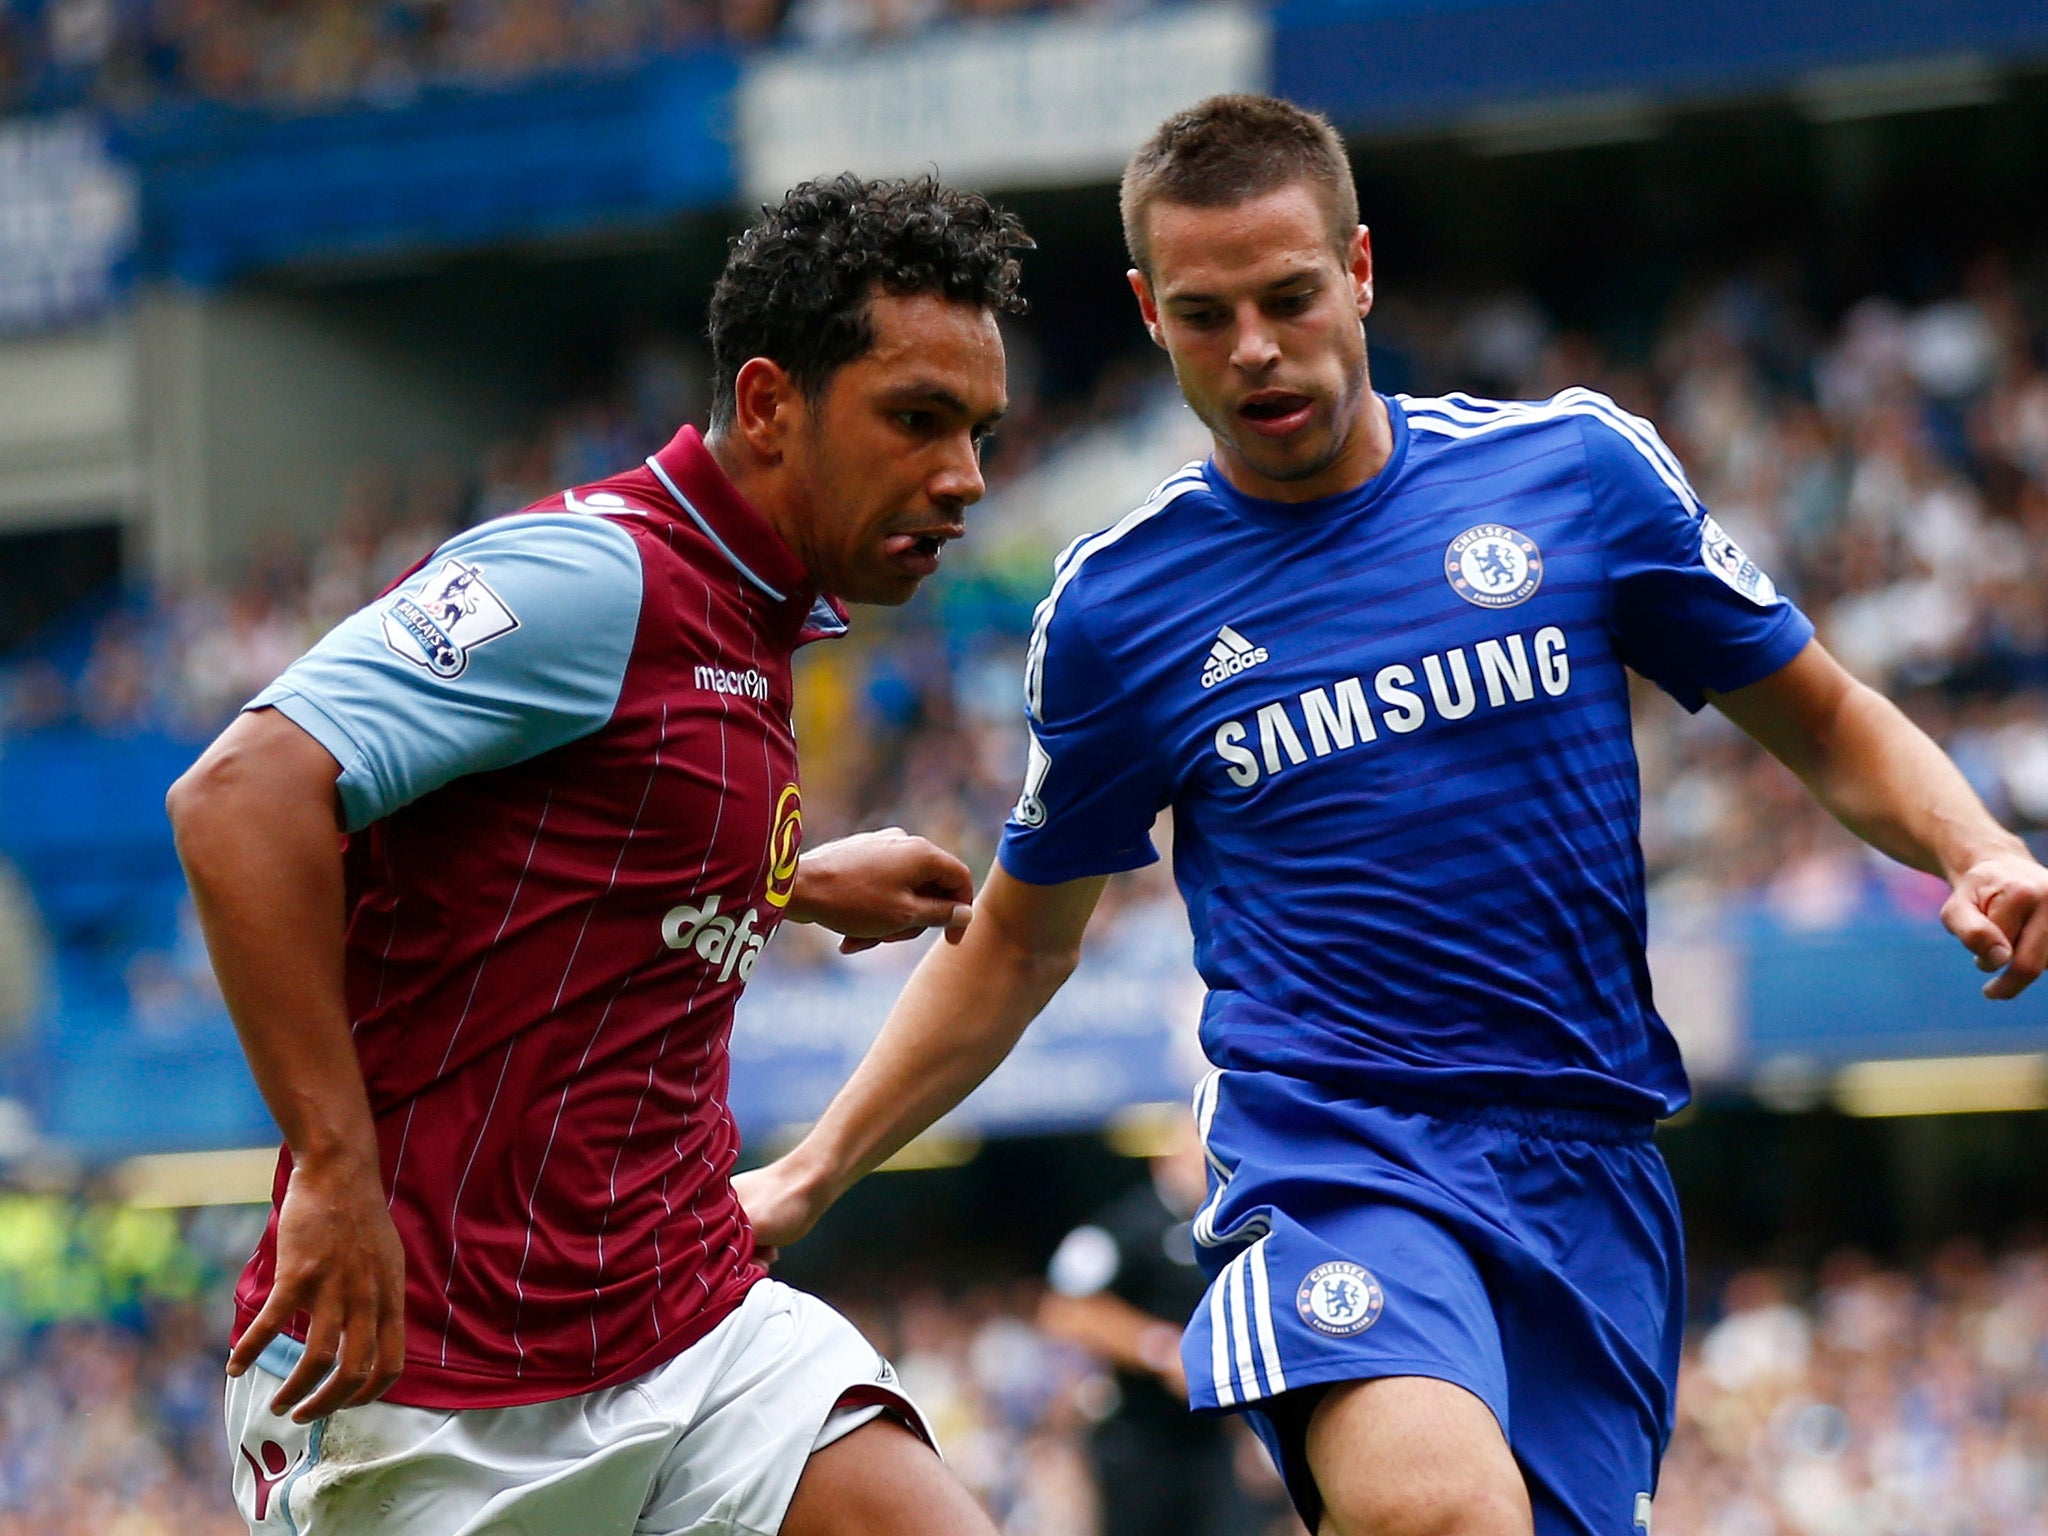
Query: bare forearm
[[1112, 1329], [1889, 784], [962, 1011], [263, 860], [1883, 779]]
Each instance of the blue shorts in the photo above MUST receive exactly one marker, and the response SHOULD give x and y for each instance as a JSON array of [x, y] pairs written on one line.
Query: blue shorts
[[1532, 1257]]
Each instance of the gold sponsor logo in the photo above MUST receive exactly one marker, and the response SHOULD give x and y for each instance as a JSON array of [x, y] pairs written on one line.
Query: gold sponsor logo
[[785, 841]]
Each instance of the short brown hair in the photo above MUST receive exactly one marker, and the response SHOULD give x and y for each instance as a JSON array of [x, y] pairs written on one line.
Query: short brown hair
[[1231, 148]]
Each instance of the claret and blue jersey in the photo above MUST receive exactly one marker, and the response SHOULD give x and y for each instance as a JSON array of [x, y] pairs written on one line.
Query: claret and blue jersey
[[1393, 726]]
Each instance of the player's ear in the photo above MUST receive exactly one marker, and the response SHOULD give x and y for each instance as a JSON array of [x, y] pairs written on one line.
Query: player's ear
[[1360, 263], [765, 400], [1148, 306]]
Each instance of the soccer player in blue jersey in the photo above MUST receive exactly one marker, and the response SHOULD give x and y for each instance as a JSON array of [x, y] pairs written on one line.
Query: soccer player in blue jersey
[[1373, 654]]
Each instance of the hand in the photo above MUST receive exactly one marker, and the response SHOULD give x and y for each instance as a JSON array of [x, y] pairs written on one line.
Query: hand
[[339, 1261], [1999, 909], [780, 1207], [882, 887], [1159, 1347]]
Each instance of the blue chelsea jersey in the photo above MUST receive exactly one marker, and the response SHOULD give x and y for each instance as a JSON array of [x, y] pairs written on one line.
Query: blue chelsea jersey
[[1393, 726]]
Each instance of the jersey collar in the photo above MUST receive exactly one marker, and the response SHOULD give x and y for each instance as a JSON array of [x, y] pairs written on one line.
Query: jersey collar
[[1294, 514], [704, 495]]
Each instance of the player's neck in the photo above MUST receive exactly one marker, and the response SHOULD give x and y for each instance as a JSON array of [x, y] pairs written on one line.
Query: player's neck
[[759, 485], [1367, 446]]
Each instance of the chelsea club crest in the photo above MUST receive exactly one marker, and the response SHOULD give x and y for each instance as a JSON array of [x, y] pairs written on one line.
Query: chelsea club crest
[[1340, 1298], [1493, 566]]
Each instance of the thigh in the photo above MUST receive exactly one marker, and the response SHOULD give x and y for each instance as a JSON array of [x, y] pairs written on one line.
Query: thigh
[[1348, 1294], [766, 1403], [575, 1467], [882, 1480], [1590, 1328], [1413, 1456]]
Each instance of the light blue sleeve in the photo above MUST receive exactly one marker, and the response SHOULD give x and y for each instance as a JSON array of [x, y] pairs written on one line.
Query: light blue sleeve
[[512, 639]]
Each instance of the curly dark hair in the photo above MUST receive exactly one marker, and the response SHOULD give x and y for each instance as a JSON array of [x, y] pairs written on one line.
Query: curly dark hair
[[796, 286]]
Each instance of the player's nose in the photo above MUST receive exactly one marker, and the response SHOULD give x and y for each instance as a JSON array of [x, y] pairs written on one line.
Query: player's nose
[[1255, 348], [958, 482]]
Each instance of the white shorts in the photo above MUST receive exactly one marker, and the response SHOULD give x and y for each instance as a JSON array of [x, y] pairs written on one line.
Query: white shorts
[[710, 1443]]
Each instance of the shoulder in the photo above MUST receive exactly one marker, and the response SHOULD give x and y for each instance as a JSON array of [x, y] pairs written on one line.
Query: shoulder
[[1615, 441], [550, 574], [1102, 567], [1099, 563], [549, 537]]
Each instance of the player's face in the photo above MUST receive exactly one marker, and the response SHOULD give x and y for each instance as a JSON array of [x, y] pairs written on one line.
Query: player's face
[[1262, 314], [889, 455]]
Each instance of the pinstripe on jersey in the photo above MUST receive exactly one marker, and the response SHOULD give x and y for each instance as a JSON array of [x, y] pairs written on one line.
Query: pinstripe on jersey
[[557, 887]]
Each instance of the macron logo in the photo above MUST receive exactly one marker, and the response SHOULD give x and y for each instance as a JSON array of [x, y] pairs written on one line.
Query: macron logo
[[1230, 655], [750, 684]]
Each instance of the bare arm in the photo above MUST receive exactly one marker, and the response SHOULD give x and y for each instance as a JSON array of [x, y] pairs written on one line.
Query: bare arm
[[255, 820], [1883, 779], [881, 888], [961, 1012], [1111, 1329]]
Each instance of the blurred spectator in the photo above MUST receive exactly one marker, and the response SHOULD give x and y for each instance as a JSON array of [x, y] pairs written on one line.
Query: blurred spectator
[[1861, 1401], [1891, 473], [1889, 1404], [300, 54], [1122, 1286]]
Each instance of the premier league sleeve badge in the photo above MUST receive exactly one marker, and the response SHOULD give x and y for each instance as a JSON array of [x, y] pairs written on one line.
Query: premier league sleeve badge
[[437, 623]]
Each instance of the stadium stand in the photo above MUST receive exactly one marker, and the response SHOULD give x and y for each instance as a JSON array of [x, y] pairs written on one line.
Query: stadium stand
[[1873, 431], [306, 54], [1856, 1397], [1890, 471]]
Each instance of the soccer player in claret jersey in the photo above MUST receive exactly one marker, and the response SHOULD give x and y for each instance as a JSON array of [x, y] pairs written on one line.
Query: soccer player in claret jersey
[[1444, 1256], [506, 1286]]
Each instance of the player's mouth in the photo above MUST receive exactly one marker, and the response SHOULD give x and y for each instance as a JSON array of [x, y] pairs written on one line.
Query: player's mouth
[[917, 554], [1276, 412]]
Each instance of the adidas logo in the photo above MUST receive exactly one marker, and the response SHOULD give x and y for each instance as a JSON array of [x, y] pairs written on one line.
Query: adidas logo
[[1230, 655]]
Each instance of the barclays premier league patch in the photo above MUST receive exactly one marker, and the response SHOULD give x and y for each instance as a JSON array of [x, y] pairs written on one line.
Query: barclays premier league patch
[[1340, 1298], [437, 623], [1030, 809], [1493, 566], [1724, 557]]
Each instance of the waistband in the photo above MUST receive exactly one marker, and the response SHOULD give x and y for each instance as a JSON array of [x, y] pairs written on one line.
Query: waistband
[[1541, 1122], [1616, 1127]]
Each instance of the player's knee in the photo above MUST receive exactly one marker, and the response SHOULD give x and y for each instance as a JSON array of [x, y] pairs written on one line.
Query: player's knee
[[1439, 1507], [1428, 1500]]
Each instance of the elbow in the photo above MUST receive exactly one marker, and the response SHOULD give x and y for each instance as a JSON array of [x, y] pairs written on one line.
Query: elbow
[[213, 801], [1039, 973], [193, 806], [1052, 967], [182, 801]]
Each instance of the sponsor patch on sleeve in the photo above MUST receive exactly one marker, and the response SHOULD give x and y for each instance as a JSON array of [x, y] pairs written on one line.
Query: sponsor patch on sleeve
[[437, 622], [1726, 560]]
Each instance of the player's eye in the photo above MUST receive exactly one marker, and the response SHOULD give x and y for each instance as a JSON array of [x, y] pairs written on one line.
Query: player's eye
[[1293, 303], [915, 421]]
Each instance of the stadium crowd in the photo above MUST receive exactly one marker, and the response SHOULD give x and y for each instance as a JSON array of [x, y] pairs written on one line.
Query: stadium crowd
[[1889, 470], [1858, 1401], [1890, 473], [307, 54]]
